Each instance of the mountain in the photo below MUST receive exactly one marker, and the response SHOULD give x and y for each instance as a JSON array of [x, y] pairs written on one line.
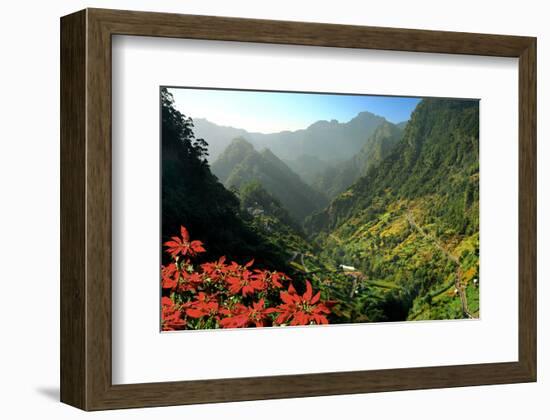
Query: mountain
[[218, 137], [439, 142], [240, 164], [402, 124], [401, 242], [334, 180], [193, 197], [328, 141], [308, 167], [271, 219], [411, 224]]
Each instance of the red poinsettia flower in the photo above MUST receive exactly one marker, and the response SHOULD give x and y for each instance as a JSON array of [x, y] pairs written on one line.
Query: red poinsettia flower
[[236, 267], [269, 279], [244, 284], [237, 316], [183, 246], [243, 316], [204, 305], [190, 281], [219, 291], [240, 280], [258, 313], [302, 310], [215, 270], [171, 316], [170, 276], [181, 280]]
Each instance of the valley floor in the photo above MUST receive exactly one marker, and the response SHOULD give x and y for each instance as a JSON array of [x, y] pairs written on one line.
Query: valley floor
[[393, 269]]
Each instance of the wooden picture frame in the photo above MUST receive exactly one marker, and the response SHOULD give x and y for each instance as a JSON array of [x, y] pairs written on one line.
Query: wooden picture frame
[[86, 361]]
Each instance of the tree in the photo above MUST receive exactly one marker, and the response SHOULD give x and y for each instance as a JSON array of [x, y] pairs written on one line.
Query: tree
[[192, 196]]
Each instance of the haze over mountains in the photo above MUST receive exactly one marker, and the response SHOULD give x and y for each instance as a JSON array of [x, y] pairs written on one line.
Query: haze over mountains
[[302, 169], [397, 202], [329, 141], [240, 164], [336, 179], [412, 221]]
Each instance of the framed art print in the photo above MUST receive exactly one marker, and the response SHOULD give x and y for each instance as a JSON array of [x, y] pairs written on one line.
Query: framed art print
[[295, 209]]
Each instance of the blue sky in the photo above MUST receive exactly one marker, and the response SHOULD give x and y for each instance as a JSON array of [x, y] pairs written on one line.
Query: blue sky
[[268, 112]]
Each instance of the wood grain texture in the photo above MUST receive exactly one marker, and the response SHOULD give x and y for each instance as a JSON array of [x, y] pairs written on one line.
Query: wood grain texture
[[86, 208], [527, 234], [73, 213], [307, 33], [309, 385], [98, 209]]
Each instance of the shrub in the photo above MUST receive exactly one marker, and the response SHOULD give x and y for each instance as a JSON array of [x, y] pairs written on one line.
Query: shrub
[[221, 294]]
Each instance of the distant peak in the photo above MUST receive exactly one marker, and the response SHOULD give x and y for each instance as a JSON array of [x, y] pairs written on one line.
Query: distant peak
[[365, 113], [319, 124], [402, 124], [366, 116], [267, 153], [241, 142]]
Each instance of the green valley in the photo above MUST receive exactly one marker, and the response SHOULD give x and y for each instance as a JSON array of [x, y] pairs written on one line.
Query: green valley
[[413, 220], [240, 164], [382, 218]]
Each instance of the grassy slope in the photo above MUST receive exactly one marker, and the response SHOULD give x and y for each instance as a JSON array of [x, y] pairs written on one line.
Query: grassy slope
[[393, 254]]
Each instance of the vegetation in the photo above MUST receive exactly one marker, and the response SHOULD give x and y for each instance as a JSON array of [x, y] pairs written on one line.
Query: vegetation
[[240, 164], [316, 140], [399, 240], [335, 180], [413, 220], [220, 294], [192, 196]]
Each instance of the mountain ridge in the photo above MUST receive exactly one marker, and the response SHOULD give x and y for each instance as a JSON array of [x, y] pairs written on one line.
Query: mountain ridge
[[241, 164], [407, 157], [327, 140], [411, 224], [336, 179]]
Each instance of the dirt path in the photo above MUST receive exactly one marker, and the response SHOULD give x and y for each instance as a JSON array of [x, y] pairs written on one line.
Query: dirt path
[[294, 255], [458, 272], [303, 263]]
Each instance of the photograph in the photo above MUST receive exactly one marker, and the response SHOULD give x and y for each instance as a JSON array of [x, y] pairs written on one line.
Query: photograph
[[284, 209]]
